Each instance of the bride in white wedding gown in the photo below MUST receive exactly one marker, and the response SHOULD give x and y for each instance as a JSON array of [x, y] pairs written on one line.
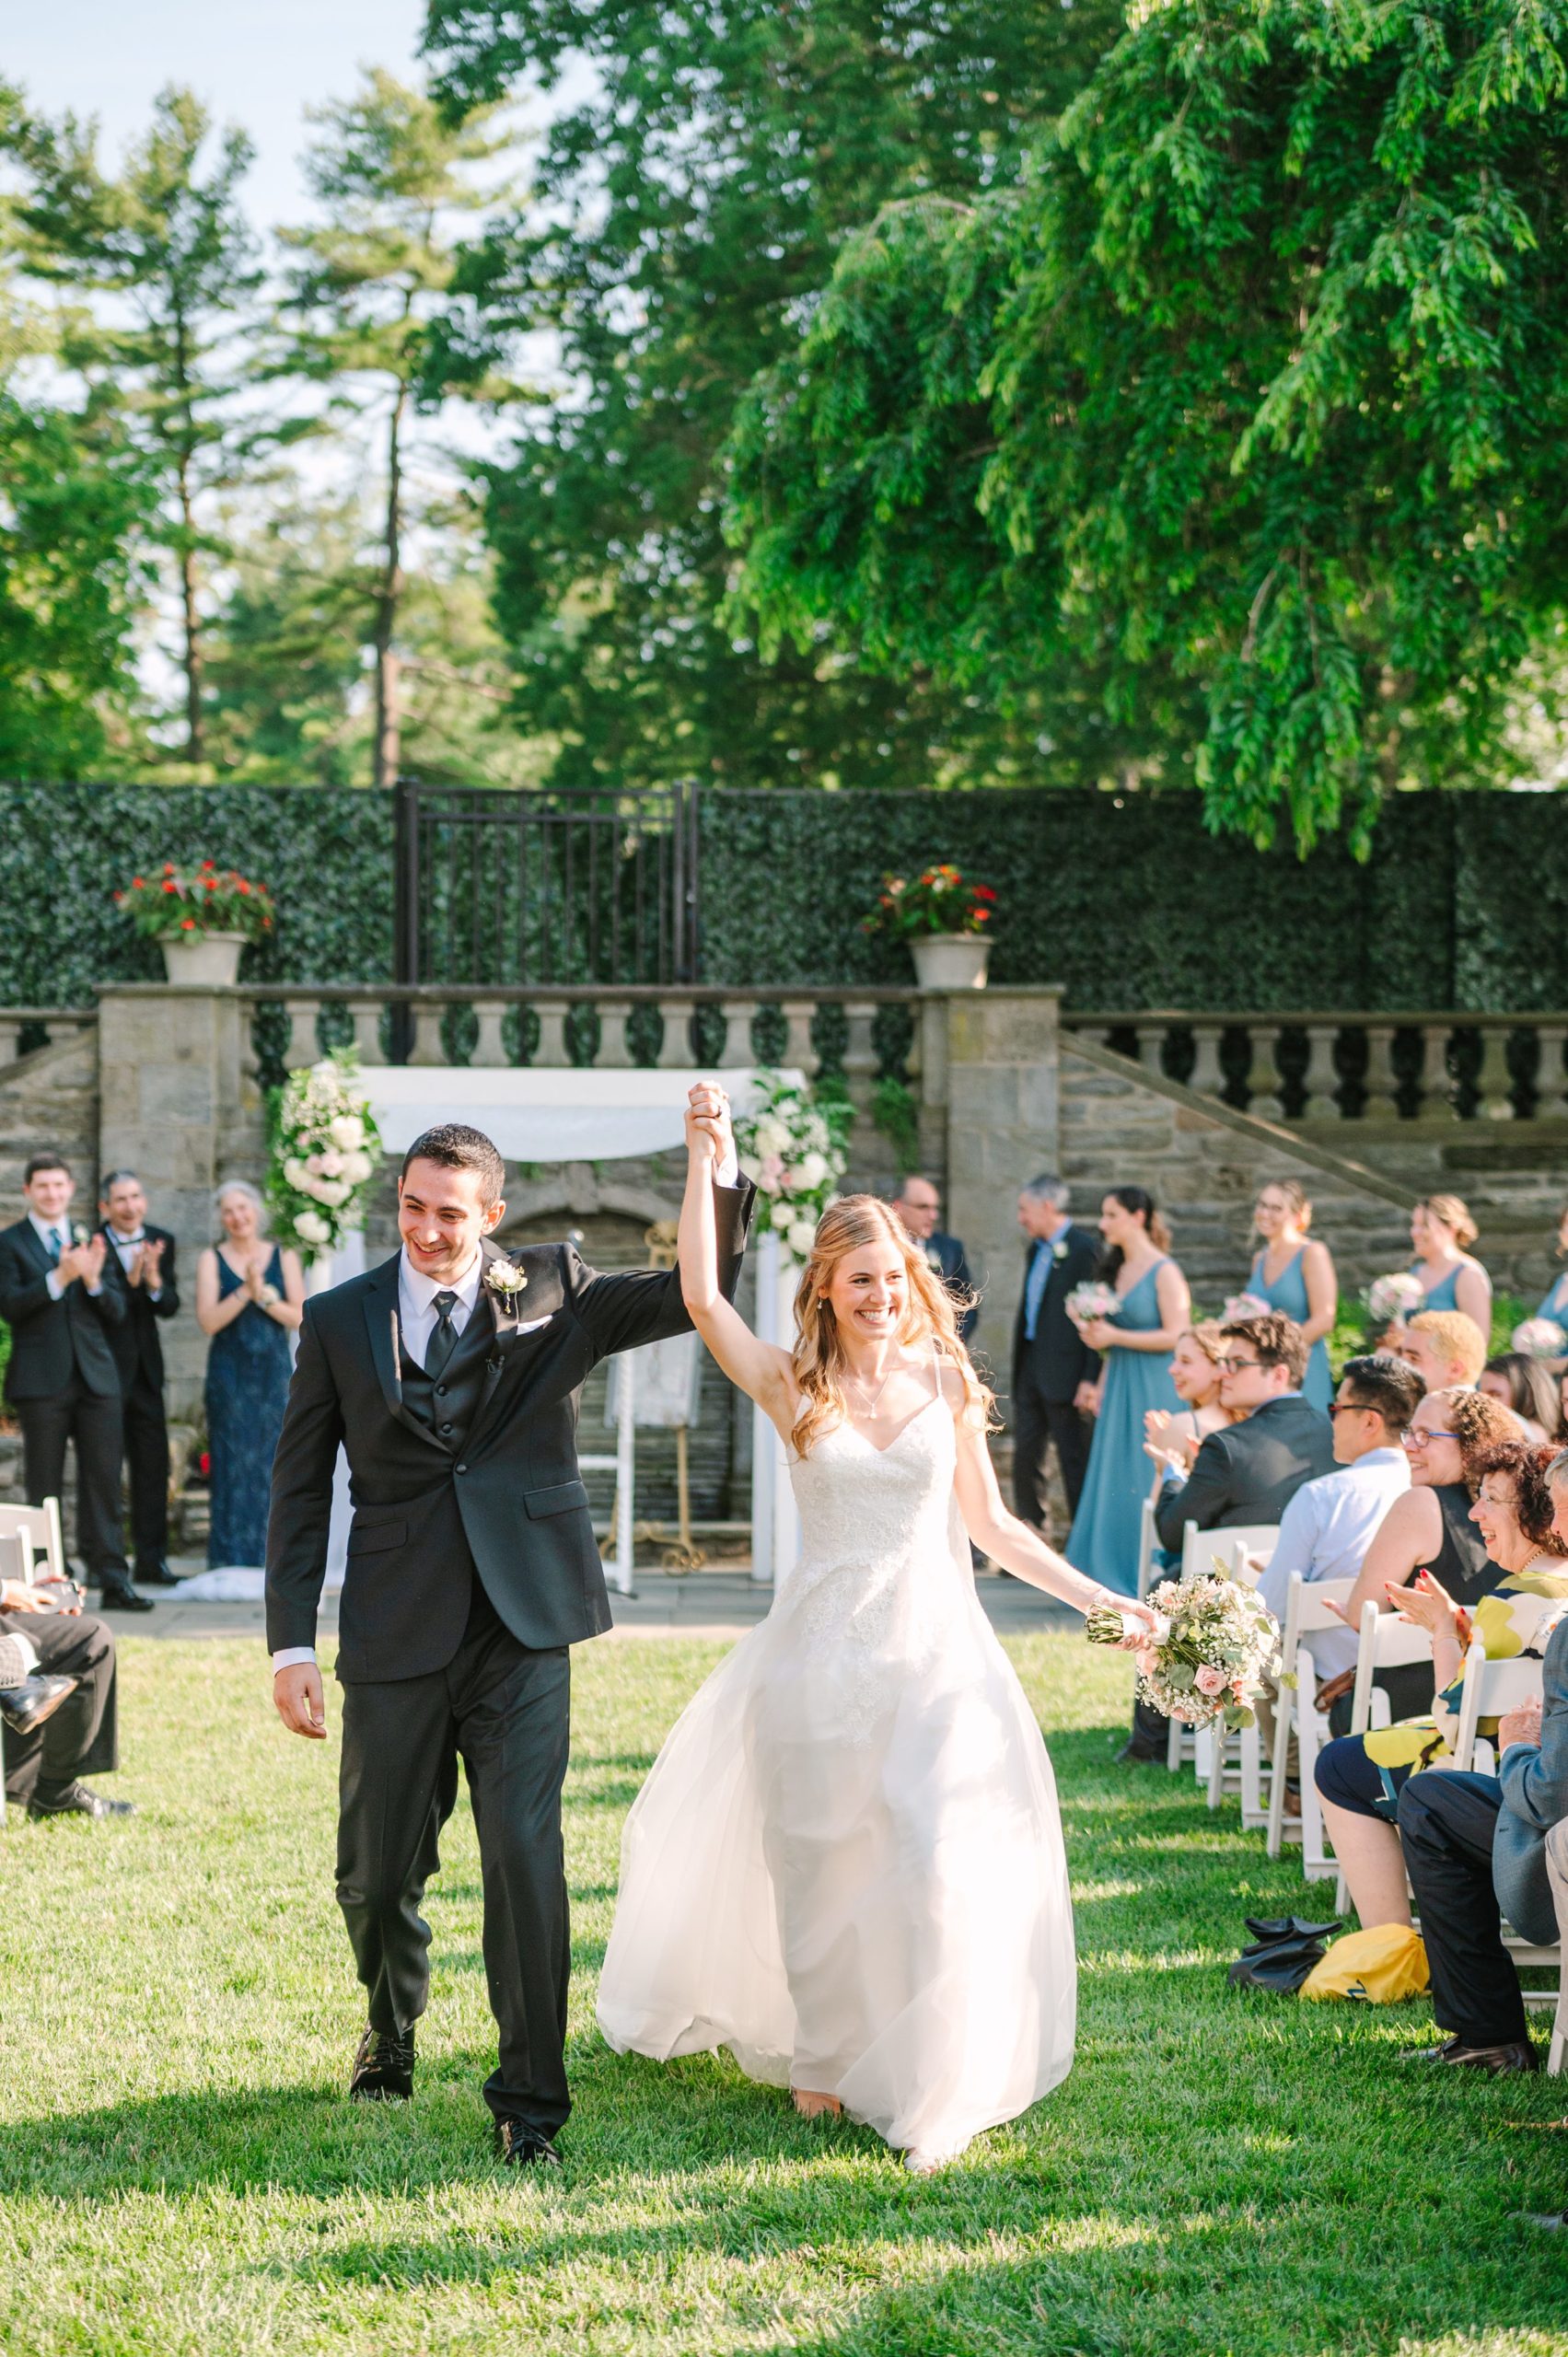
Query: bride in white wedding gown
[[846, 1864]]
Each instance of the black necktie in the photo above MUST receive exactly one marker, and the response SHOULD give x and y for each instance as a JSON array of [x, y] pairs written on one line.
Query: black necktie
[[444, 1340]]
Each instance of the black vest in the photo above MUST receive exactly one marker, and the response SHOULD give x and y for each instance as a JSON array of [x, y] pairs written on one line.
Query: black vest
[[447, 1405]]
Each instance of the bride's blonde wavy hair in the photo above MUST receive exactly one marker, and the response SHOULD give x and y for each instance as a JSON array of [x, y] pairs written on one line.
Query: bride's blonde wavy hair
[[930, 1316]]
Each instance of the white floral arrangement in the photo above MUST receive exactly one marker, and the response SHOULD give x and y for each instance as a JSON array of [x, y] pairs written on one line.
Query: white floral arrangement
[[1244, 1305], [792, 1148], [1397, 1296], [1215, 1644], [1087, 1302], [324, 1155], [1540, 1338]]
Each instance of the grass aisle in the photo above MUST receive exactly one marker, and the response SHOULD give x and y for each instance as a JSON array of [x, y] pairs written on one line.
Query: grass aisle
[[182, 2176]]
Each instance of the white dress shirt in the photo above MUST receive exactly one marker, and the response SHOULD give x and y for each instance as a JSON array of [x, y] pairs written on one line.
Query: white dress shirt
[[1325, 1532], [52, 1233]]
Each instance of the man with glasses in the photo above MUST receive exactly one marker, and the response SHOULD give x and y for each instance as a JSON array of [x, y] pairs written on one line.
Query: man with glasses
[[1249, 1471]]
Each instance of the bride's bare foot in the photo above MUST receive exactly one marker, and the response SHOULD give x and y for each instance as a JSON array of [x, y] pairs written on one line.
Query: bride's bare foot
[[816, 2107]]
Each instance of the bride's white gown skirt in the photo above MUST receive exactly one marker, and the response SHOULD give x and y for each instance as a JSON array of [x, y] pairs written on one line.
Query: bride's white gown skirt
[[847, 1864]]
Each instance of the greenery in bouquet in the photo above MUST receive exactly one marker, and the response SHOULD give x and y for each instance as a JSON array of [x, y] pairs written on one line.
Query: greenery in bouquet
[[325, 1149], [940, 899], [1217, 1643], [207, 899], [793, 1149]]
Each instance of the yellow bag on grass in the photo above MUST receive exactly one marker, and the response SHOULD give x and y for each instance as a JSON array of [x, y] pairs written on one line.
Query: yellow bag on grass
[[1382, 1966]]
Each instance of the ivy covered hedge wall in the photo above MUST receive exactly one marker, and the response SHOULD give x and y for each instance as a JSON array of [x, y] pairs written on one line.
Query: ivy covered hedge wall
[[1463, 903], [326, 856]]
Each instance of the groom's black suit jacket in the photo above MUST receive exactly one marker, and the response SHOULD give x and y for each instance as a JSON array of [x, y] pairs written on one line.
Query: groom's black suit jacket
[[497, 1497]]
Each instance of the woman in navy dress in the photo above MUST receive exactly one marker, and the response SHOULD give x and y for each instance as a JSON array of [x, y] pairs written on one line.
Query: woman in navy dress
[[248, 1298], [1441, 1227], [1136, 1344], [1296, 1277]]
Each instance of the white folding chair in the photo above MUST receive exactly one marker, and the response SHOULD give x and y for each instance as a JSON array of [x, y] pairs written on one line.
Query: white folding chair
[[42, 1540], [1148, 1539], [1491, 1689], [1308, 1608], [1385, 1642], [1241, 1550]]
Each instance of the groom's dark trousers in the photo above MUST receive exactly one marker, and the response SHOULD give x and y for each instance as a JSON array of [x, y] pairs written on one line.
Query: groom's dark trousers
[[471, 1569]]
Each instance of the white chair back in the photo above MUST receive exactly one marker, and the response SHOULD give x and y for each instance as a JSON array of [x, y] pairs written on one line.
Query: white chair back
[[1385, 1642], [42, 1540], [1200, 1548], [1491, 1689], [1148, 1539], [1308, 1608]]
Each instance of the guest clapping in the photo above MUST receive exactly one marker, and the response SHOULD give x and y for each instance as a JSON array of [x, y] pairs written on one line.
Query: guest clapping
[[249, 1296], [1152, 1309], [1249, 1472], [1172, 1436], [1295, 1276], [140, 1264], [1441, 1227]]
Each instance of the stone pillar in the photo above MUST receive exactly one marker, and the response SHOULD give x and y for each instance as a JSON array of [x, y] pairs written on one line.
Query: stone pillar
[[1002, 1108], [176, 1106]]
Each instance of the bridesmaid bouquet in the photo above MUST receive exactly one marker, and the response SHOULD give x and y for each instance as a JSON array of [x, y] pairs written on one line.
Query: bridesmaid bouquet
[[1244, 1305], [1400, 1295], [1207, 1659], [1540, 1338], [1085, 1302]]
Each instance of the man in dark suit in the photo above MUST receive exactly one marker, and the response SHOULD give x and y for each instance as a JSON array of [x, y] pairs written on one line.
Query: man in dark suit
[[1055, 1372], [140, 1264], [62, 1380], [451, 1376], [919, 1207], [1249, 1471]]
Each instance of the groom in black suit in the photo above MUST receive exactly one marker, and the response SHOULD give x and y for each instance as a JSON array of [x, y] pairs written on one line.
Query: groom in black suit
[[1053, 1370], [451, 1374]]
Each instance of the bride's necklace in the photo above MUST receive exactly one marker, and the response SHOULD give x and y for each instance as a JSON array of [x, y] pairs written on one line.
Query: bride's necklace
[[872, 1401]]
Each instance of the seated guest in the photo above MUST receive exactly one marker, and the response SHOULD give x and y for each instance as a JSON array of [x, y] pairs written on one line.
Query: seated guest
[[1530, 1388], [1429, 1529], [1446, 1349], [1441, 1226], [1252, 1469], [44, 1763], [919, 1207], [1362, 1778], [1172, 1436]]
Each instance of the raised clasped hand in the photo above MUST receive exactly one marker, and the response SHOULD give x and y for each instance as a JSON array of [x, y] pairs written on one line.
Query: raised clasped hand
[[708, 1118], [1427, 1605]]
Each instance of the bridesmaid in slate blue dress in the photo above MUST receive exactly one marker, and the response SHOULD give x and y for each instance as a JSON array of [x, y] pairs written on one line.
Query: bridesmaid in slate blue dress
[[1135, 1345], [248, 1298], [1296, 1277], [1555, 1304], [1441, 1227]]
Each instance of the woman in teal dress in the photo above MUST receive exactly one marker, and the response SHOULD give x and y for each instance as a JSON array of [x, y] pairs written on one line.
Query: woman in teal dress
[[1555, 1304], [1296, 1277], [1441, 1226], [1136, 1344]]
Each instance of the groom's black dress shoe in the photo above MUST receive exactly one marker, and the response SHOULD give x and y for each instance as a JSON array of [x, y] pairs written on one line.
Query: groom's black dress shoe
[[118, 1595], [523, 2146], [38, 1698], [78, 1799], [383, 2068], [1499, 2062]]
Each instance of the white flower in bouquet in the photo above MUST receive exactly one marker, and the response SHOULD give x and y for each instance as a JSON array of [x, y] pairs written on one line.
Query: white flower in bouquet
[[330, 1164], [801, 1236], [294, 1171], [772, 1137], [1540, 1338], [1087, 1302], [1399, 1295], [785, 1216], [1244, 1305], [811, 1172], [1217, 1644], [346, 1132], [311, 1228], [357, 1169], [332, 1191]]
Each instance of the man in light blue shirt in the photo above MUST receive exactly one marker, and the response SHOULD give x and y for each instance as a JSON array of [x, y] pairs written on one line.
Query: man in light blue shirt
[[1328, 1525]]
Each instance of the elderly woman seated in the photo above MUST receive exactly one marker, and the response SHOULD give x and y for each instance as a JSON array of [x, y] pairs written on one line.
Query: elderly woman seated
[[1361, 1777]]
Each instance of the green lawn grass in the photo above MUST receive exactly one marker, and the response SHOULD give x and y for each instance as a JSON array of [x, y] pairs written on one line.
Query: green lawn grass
[[1221, 2173]]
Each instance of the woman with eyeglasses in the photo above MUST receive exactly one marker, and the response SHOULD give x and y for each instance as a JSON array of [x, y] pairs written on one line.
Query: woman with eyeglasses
[[1361, 1777], [1427, 1530]]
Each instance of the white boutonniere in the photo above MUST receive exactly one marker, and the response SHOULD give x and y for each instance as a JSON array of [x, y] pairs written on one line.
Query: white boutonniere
[[78, 1233], [506, 1282], [1059, 1251]]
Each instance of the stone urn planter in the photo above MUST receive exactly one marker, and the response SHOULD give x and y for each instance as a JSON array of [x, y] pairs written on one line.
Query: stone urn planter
[[206, 959], [950, 961]]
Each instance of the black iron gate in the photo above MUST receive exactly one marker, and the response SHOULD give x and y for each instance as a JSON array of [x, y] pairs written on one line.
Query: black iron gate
[[579, 886]]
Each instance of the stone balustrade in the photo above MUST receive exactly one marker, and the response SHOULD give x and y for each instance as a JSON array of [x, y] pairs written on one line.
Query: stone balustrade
[[1316, 1066], [25, 1028]]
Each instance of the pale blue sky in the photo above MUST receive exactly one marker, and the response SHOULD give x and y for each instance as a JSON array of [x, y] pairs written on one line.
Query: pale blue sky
[[256, 64]]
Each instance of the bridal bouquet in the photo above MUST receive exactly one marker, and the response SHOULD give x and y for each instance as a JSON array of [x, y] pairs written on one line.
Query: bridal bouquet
[[1085, 1302], [1540, 1338], [1215, 1644], [324, 1155], [1400, 1295], [792, 1148]]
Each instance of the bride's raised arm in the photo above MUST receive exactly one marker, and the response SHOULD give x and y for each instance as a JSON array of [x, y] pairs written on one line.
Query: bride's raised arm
[[763, 1371]]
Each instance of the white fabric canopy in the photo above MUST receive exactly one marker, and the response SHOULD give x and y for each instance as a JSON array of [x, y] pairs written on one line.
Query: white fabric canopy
[[588, 1115]]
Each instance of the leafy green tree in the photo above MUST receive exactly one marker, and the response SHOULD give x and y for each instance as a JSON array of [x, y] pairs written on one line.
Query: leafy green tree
[[167, 276], [391, 175], [682, 212], [1249, 407]]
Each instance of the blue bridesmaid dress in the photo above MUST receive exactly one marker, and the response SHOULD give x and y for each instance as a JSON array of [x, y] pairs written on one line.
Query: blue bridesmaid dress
[[1103, 1540], [1288, 1295], [1555, 1305], [1442, 1297]]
